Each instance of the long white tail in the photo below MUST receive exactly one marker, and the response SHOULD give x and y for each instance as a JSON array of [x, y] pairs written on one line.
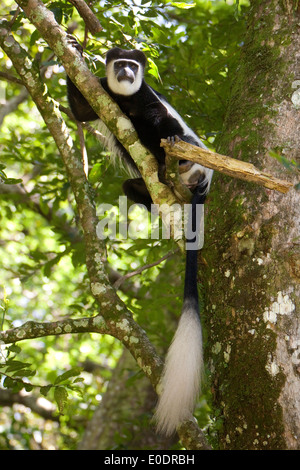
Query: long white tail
[[182, 373]]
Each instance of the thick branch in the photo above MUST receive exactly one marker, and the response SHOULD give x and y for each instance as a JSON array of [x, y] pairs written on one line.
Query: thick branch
[[87, 15], [32, 330], [229, 166], [173, 177]]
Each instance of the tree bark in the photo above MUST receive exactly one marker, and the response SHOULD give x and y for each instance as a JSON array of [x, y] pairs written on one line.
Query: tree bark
[[252, 254]]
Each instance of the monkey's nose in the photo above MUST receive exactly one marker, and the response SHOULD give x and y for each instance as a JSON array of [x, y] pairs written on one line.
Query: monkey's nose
[[126, 74]]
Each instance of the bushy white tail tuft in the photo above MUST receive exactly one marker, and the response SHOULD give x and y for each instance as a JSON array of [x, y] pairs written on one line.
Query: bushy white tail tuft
[[182, 374]]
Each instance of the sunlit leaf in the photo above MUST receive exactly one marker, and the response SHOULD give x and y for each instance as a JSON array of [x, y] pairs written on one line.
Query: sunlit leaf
[[61, 398]]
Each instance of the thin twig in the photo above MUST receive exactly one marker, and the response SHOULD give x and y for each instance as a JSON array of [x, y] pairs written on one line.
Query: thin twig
[[142, 268], [10, 78]]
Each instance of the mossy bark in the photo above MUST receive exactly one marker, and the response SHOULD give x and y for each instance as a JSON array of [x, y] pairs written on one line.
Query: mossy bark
[[252, 246]]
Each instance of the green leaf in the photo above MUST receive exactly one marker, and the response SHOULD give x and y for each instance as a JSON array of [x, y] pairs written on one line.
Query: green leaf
[[79, 379], [153, 69], [34, 37], [14, 348], [24, 373], [13, 365], [28, 387], [2, 175], [12, 181], [61, 398], [8, 382], [49, 265], [45, 390], [57, 11], [74, 372], [96, 173]]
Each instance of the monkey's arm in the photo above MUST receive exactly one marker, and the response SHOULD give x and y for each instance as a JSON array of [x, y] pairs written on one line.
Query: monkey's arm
[[79, 105]]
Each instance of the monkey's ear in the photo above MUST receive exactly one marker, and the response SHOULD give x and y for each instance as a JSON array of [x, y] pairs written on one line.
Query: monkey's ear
[[140, 57], [114, 53]]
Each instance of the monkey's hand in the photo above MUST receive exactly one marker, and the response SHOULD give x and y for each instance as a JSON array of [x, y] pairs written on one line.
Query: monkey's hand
[[184, 165], [173, 139], [73, 42]]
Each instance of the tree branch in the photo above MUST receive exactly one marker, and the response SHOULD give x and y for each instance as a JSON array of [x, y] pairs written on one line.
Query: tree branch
[[230, 166], [172, 174], [122, 279], [33, 330], [91, 21], [10, 78]]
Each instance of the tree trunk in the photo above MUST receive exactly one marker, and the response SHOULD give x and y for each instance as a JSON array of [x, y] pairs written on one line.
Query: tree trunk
[[252, 245]]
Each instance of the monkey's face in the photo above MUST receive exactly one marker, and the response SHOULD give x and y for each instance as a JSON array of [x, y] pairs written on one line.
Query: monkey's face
[[124, 76], [125, 70]]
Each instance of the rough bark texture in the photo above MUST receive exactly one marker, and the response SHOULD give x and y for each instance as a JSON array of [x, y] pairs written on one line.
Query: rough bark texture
[[253, 245]]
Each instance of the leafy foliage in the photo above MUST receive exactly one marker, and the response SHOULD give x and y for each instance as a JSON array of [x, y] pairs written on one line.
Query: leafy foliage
[[193, 50]]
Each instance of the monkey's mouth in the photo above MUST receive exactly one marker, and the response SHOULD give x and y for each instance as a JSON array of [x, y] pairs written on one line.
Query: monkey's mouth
[[125, 79], [125, 75]]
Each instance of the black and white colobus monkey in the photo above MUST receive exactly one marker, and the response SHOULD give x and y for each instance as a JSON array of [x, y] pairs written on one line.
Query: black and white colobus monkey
[[154, 119]]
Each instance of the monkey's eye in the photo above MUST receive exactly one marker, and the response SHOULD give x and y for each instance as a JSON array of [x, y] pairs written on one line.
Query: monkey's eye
[[134, 67]]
